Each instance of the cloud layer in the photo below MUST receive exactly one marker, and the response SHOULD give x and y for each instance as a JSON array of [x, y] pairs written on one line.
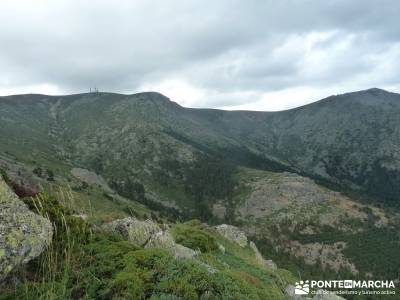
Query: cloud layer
[[262, 55]]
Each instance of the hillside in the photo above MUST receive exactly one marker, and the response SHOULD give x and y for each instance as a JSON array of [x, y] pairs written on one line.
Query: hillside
[[348, 140], [302, 183], [127, 258]]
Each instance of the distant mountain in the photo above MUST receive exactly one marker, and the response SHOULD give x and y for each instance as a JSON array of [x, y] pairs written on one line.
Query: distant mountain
[[118, 155], [350, 140]]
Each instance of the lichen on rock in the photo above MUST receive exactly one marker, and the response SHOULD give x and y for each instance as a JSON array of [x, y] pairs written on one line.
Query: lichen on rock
[[233, 234], [164, 240], [148, 234], [23, 234], [136, 231]]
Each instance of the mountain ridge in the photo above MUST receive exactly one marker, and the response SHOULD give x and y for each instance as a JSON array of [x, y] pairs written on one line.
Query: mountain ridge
[[373, 90], [310, 139], [145, 155]]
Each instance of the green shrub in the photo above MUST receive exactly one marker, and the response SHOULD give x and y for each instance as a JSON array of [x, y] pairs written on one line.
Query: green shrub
[[85, 265], [130, 284], [160, 275], [101, 260], [195, 236]]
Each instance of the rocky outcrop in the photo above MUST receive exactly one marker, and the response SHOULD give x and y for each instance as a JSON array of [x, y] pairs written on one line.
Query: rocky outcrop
[[237, 236], [22, 181], [137, 232], [233, 234], [164, 240], [281, 206], [23, 234], [148, 234]]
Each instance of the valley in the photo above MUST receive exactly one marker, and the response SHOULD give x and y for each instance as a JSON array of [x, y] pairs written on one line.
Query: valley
[[315, 187]]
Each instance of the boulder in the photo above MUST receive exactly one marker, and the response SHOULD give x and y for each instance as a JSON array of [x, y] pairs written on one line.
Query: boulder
[[270, 264], [233, 234], [140, 232], [23, 234], [161, 239], [221, 248], [164, 240], [136, 231], [149, 235]]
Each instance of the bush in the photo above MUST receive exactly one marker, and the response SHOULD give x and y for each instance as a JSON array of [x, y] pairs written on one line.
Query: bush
[[100, 261], [85, 265], [195, 236], [160, 275]]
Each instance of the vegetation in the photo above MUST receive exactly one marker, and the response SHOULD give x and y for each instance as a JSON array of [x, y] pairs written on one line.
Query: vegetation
[[129, 188], [86, 264], [373, 250], [172, 163], [67, 225], [195, 235], [208, 179], [4, 175]]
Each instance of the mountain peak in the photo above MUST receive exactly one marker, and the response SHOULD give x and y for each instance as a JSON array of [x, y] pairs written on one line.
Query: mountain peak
[[376, 91], [376, 96], [153, 95], [371, 91], [369, 97]]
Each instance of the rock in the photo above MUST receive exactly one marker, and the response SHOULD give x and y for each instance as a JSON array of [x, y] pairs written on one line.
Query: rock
[[290, 292], [23, 234], [164, 240], [266, 263], [120, 226], [149, 235], [20, 179], [81, 216], [140, 232], [221, 248], [209, 268], [233, 234], [136, 231], [270, 263], [161, 239], [180, 251]]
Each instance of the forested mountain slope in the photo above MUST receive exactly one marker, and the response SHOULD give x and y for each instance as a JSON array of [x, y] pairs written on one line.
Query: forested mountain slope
[[143, 154], [351, 140]]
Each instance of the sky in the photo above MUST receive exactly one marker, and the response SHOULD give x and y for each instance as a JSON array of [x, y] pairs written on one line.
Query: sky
[[229, 54]]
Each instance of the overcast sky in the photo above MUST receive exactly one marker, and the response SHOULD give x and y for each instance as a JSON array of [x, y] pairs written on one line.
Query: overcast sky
[[248, 54]]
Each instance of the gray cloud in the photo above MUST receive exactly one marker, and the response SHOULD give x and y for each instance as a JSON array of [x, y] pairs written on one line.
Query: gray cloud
[[232, 54]]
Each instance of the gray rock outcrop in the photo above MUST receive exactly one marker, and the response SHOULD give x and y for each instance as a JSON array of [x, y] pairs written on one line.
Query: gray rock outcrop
[[23, 234], [148, 234], [164, 240], [233, 234], [137, 232]]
